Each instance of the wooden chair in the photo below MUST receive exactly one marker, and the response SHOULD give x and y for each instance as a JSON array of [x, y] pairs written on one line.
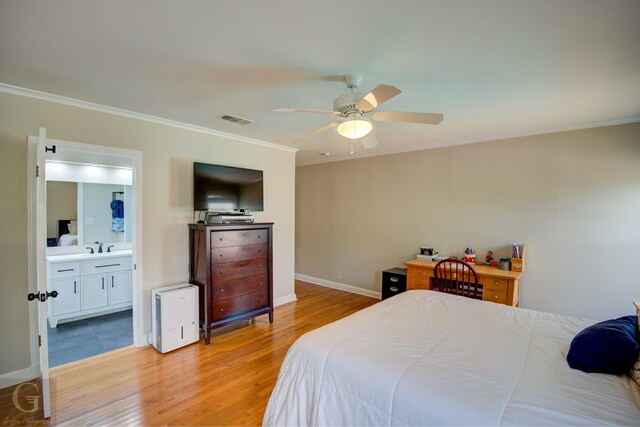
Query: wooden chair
[[455, 276]]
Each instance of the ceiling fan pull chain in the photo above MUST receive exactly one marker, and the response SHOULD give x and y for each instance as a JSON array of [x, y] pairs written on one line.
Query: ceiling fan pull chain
[[352, 150]]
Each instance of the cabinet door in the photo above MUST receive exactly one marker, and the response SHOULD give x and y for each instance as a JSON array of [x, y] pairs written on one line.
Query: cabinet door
[[68, 299], [94, 291], [119, 287]]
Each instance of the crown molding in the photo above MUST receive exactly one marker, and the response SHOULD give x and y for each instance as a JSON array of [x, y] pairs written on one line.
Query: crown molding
[[452, 143], [21, 91]]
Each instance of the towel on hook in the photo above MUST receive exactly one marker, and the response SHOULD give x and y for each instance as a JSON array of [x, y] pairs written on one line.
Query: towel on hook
[[117, 215]]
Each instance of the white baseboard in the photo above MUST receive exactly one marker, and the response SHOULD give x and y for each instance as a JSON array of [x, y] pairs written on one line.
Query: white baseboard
[[285, 299], [17, 377], [339, 286]]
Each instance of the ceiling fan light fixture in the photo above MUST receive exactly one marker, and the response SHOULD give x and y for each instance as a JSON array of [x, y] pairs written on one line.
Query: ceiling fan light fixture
[[354, 129]]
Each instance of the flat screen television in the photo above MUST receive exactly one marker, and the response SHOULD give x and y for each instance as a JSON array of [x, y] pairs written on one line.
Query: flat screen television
[[218, 188]]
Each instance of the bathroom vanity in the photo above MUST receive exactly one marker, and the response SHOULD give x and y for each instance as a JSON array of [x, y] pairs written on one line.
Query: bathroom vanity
[[88, 285]]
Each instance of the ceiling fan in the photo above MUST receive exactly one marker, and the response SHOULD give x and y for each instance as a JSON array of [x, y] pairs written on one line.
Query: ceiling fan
[[357, 110]]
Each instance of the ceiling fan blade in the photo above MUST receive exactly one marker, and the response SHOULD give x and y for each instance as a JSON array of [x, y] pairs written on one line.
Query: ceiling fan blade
[[319, 131], [369, 141], [377, 96], [302, 110], [405, 116]]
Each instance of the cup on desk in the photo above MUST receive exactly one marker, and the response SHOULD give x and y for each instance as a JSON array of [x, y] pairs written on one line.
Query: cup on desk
[[426, 251]]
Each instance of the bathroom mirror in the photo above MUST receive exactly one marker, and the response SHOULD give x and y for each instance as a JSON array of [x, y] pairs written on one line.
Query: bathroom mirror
[[83, 213]]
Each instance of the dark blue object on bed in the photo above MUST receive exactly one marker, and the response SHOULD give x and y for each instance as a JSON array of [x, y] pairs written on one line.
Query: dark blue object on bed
[[609, 347]]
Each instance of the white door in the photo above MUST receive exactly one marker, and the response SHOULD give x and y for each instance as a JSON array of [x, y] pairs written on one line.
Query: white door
[[94, 291], [41, 270], [119, 287]]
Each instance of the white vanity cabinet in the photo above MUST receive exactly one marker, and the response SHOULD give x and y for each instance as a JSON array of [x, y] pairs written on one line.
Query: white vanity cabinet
[[88, 286]]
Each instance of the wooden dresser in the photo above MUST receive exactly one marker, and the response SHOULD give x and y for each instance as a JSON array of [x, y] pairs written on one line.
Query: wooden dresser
[[233, 267], [499, 286]]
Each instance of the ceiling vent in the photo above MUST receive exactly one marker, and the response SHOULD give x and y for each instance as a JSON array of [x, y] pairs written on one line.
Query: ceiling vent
[[235, 119]]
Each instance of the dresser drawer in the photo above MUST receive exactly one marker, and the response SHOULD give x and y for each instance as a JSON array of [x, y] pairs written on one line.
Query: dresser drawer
[[233, 270], [221, 239], [238, 253], [105, 265], [65, 269], [419, 283], [495, 296], [241, 286], [495, 284], [241, 304]]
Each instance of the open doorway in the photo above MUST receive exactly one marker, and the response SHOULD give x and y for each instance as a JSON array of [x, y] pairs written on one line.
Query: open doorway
[[92, 253]]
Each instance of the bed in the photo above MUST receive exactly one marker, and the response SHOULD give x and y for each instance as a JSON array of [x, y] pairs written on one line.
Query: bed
[[428, 358], [67, 232]]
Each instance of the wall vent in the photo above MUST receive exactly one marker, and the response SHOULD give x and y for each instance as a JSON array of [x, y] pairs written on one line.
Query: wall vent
[[235, 119]]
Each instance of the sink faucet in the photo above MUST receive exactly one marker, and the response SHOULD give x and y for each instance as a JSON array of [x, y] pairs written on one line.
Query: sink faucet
[[89, 247], [99, 247], [109, 248]]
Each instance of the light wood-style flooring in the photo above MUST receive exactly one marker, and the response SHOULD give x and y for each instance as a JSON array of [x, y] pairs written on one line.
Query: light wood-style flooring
[[226, 383]]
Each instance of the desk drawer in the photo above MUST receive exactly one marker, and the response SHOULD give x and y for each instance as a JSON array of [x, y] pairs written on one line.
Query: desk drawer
[[495, 296], [495, 284], [421, 272], [419, 283]]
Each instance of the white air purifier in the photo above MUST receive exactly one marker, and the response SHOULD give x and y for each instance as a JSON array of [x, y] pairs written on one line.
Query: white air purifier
[[174, 312]]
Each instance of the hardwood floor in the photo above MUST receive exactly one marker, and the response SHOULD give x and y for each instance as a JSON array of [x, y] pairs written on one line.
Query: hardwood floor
[[226, 383]]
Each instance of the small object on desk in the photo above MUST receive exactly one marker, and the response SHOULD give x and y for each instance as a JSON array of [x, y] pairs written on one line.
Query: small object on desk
[[427, 251], [469, 256], [504, 264], [489, 258]]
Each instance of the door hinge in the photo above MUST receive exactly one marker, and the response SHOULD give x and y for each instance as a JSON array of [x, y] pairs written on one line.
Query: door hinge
[[37, 171], [39, 340]]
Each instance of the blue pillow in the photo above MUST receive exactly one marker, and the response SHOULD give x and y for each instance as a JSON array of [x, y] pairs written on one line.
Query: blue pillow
[[609, 347]]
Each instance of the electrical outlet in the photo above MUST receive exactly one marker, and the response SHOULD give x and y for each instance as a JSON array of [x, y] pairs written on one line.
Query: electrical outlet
[[339, 274]]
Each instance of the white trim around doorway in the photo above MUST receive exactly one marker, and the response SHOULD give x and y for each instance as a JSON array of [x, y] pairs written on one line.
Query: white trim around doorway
[[139, 337]]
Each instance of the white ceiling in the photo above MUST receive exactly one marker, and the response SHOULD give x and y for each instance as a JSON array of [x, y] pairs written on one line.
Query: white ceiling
[[494, 68]]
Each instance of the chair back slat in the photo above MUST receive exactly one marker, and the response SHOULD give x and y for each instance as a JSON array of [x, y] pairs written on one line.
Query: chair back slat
[[456, 277]]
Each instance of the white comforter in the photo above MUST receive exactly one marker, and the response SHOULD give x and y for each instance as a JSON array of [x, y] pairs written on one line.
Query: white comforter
[[427, 358]]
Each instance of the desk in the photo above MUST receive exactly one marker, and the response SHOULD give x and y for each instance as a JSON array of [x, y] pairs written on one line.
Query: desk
[[498, 285]]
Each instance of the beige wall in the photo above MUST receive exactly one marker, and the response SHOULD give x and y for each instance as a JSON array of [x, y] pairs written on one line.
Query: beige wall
[[572, 197], [168, 155], [62, 203]]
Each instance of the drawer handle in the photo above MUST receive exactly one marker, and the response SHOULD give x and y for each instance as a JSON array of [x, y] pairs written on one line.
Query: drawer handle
[[75, 290], [222, 291], [220, 239], [103, 283], [107, 265], [394, 279], [259, 267], [220, 255], [259, 283], [222, 310], [393, 289], [112, 285], [220, 272], [66, 269]]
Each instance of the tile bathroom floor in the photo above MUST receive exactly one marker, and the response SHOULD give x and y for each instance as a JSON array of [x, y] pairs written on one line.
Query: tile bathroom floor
[[89, 337]]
